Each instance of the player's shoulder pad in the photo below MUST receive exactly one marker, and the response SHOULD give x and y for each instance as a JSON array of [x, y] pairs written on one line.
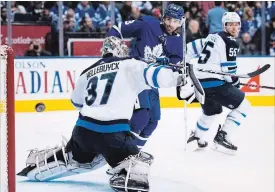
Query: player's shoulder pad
[[228, 40]]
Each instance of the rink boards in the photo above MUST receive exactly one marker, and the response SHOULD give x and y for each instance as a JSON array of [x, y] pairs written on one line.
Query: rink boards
[[51, 80]]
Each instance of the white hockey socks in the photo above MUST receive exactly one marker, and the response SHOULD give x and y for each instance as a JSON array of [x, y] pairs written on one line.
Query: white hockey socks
[[236, 117]]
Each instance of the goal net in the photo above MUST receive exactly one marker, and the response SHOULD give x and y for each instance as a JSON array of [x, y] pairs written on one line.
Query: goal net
[[7, 136]]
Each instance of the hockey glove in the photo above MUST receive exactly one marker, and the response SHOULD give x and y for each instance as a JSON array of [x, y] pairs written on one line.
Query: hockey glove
[[186, 91]]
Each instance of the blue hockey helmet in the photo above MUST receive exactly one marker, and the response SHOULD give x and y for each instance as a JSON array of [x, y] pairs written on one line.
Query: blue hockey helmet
[[174, 11]]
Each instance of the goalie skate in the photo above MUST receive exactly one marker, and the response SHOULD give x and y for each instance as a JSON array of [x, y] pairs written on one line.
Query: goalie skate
[[145, 157], [117, 183], [130, 175]]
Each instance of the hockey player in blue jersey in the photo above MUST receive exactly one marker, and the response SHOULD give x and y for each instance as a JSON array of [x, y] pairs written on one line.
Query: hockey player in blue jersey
[[218, 52], [104, 95], [154, 39]]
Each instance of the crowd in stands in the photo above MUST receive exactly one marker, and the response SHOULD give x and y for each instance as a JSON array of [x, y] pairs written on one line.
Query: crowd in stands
[[93, 19]]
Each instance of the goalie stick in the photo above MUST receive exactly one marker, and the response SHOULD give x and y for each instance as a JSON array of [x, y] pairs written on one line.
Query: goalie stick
[[248, 75], [199, 92]]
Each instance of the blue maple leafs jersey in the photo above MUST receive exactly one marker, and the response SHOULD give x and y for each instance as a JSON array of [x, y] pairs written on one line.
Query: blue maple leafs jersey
[[151, 39]]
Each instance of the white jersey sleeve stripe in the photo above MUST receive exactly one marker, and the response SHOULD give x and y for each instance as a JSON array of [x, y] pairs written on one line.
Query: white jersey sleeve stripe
[[195, 48], [155, 76], [145, 73]]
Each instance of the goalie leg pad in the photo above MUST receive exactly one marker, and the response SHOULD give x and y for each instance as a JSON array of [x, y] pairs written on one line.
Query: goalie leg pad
[[131, 175], [54, 163]]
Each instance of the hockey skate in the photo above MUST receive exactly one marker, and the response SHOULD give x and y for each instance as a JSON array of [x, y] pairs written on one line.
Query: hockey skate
[[145, 157], [194, 143], [130, 175], [222, 144]]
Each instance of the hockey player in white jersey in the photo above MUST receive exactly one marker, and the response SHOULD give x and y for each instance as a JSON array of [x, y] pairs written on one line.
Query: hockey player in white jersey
[[105, 94], [219, 54]]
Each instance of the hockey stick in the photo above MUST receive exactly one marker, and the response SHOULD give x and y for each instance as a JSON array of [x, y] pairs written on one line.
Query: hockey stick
[[258, 86], [183, 33], [248, 75], [199, 92]]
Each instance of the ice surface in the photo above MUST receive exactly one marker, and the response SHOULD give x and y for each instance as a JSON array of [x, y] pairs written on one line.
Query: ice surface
[[251, 170]]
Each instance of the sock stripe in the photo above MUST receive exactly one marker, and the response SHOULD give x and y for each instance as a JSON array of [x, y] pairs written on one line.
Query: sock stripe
[[202, 128]]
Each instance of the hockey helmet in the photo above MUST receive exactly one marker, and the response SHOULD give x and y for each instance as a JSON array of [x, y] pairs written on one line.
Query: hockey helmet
[[230, 17], [174, 11]]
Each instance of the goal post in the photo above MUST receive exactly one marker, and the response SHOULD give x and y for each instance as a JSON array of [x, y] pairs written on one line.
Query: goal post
[[7, 120]]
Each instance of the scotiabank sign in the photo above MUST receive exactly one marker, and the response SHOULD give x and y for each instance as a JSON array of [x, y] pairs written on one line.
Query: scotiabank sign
[[87, 47], [22, 35]]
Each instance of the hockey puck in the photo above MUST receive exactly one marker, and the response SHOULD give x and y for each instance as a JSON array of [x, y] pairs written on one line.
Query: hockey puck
[[40, 107]]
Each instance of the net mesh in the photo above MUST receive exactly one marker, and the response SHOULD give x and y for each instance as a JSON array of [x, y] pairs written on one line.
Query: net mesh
[[3, 119]]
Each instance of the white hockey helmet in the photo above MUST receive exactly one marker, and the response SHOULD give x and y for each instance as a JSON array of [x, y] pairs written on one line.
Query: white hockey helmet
[[230, 17], [115, 46]]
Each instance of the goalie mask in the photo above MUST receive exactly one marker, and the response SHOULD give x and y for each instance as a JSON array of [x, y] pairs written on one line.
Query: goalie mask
[[115, 46]]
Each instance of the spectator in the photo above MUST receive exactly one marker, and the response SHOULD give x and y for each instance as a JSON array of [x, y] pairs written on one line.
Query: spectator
[[4, 14], [246, 46], [271, 36], [35, 50], [46, 16], [239, 9], [249, 24], [145, 7], [103, 14], [205, 6], [272, 10], [126, 10], [83, 9], [193, 33], [54, 9], [16, 8], [36, 9], [272, 45], [70, 16], [213, 20], [156, 13], [195, 14], [86, 25], [135, 14]]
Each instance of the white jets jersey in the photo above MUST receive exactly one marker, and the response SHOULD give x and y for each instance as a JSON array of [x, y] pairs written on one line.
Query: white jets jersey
[[108, 89], [194, 49], [218, 54]]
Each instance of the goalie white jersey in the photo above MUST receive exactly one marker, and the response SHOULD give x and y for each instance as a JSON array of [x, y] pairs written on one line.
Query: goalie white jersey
[[106, 91], [218, 54]]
